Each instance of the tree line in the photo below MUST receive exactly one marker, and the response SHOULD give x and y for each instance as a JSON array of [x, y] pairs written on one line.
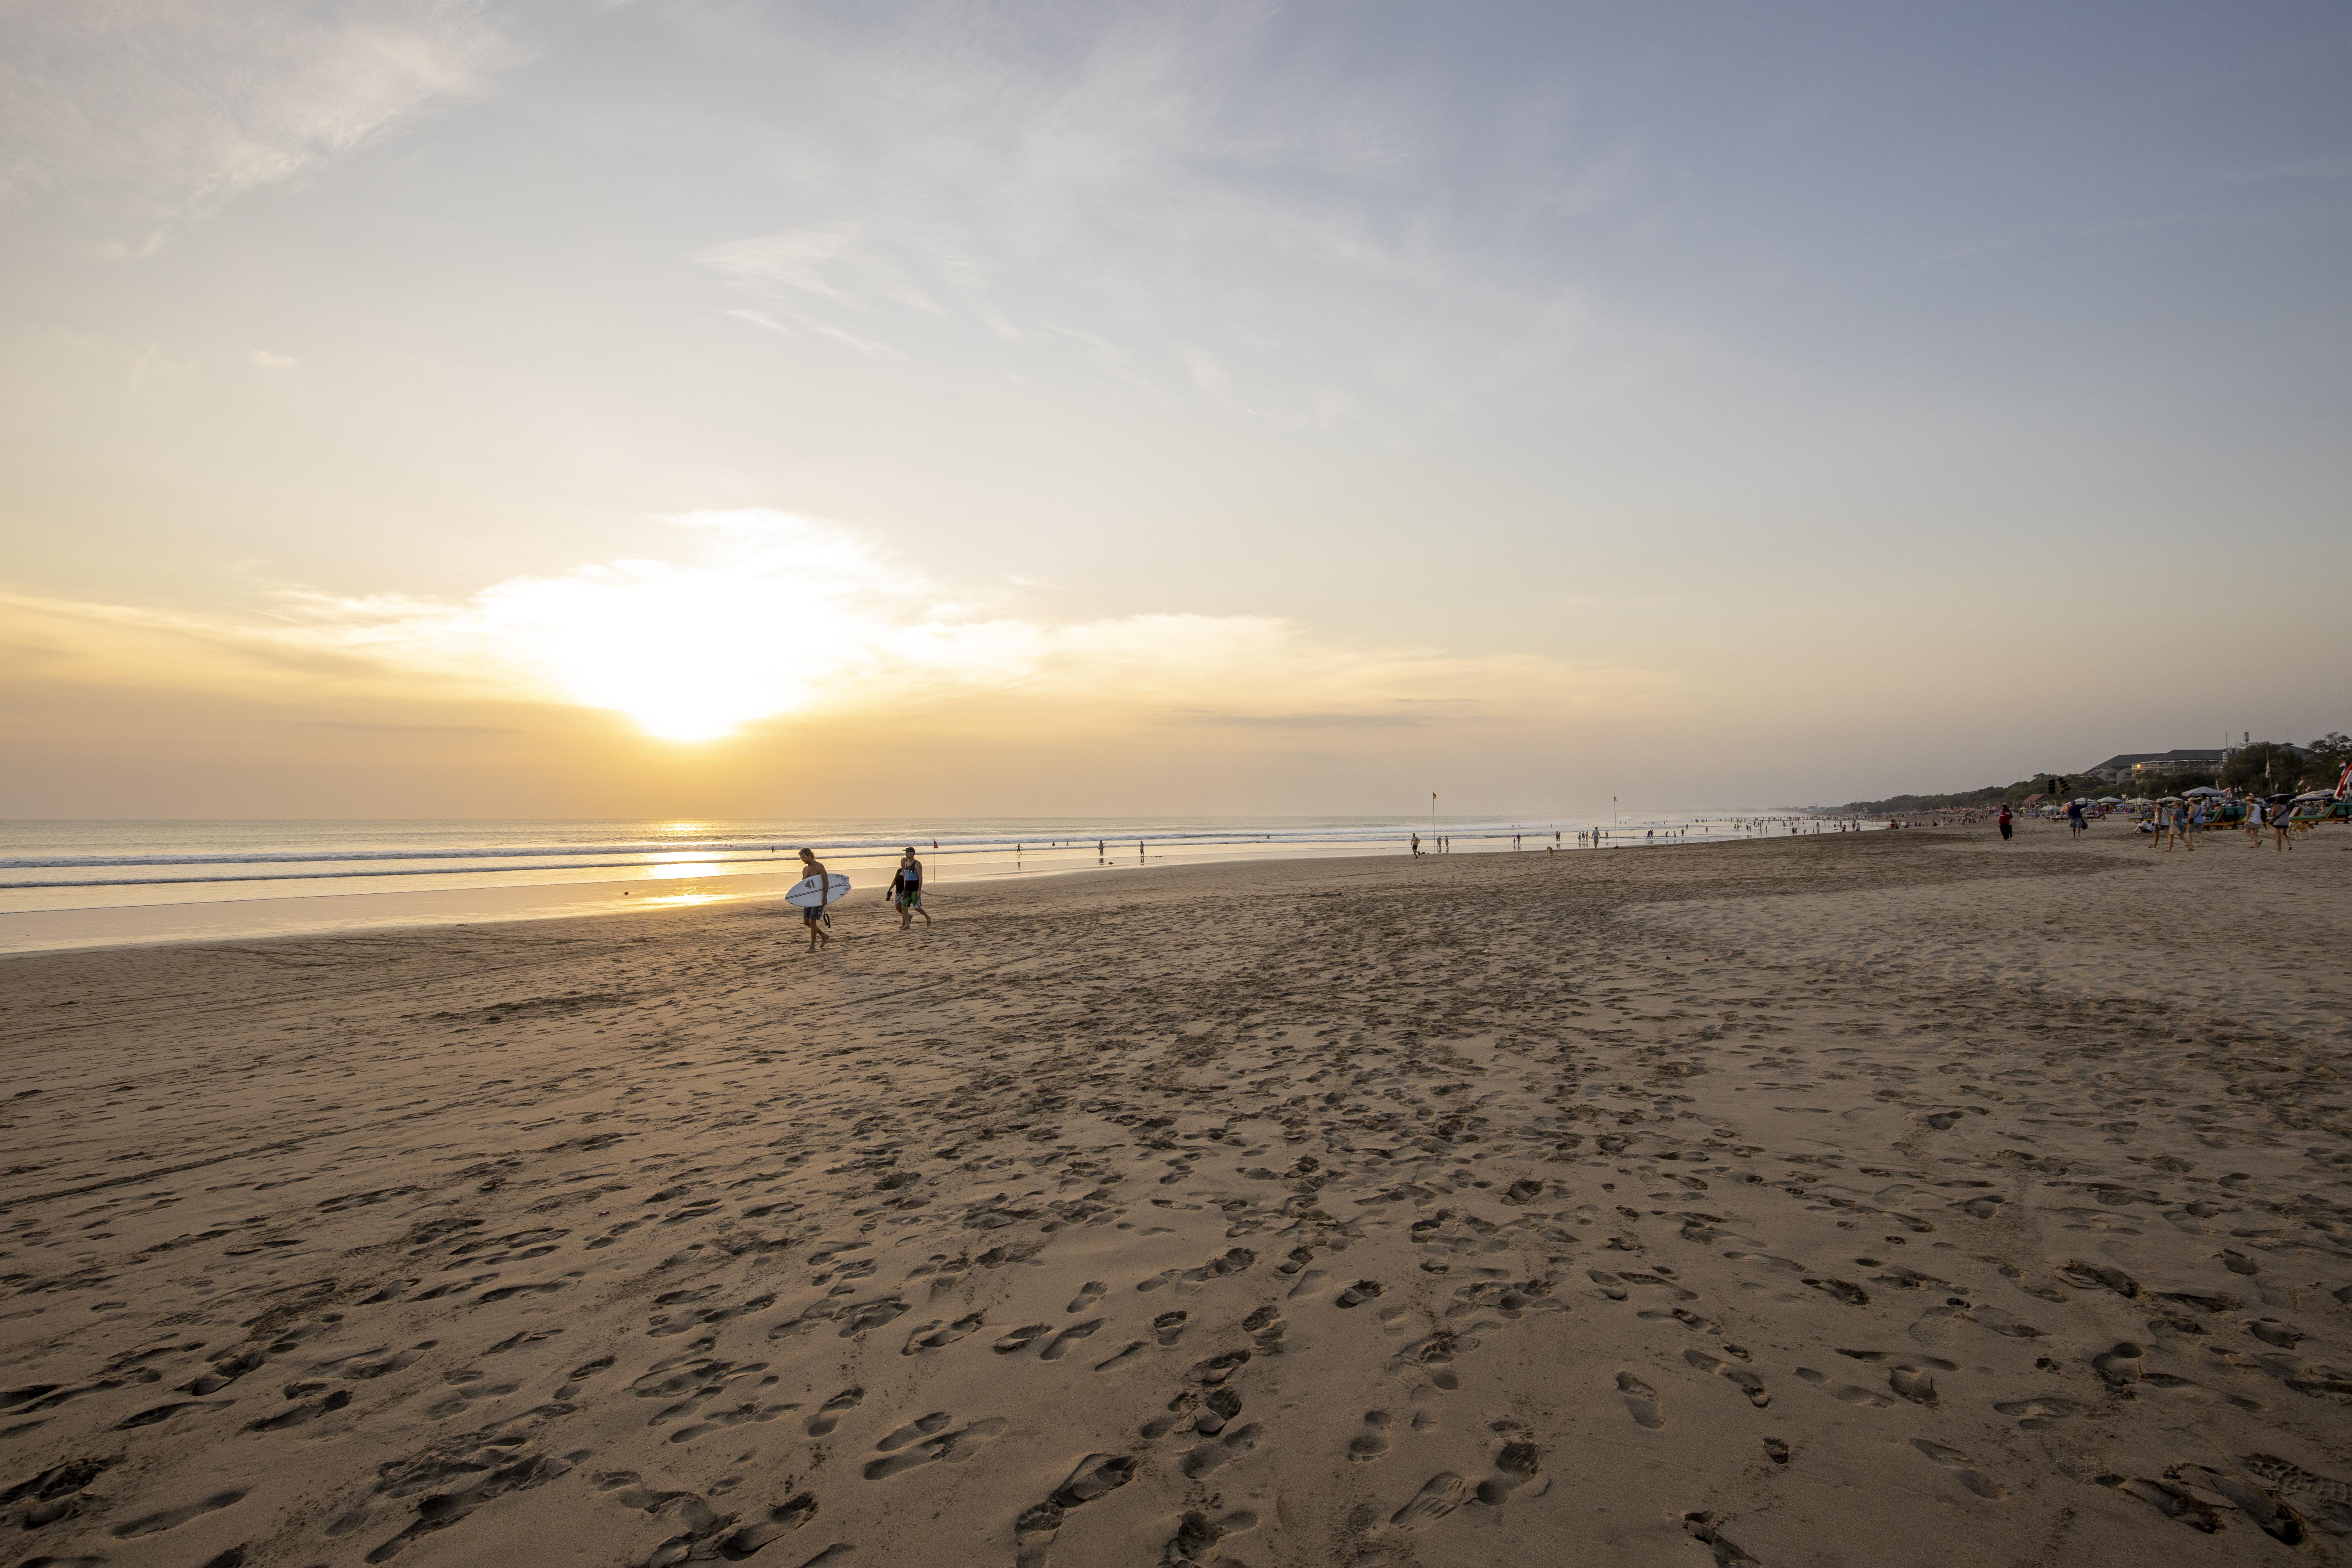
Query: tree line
[[2265, 767]]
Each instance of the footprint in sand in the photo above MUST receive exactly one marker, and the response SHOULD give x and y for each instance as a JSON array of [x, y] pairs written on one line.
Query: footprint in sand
[[1093, 1476], [937, 1335], [2122, 1363], [1309, 1283], [1425, 1419], [1224, 1450], [1373, 1440], [1165, 1277], [173, 1518], [1196, 1532], [1776, 1450], [1845, 1290], [717, 1420], [1516, 1464], [1223, 1404], [2172, 1501], [1913, 1384], [1169, 1327], [828, 1414], [1439, 1496], [1088, 1294], [1033, 1529], [921, 1427], [302, 1415], [952, 1447], [1746, 1380], [580, 1375], [1022, 1338], [1963, 1471], [470, 1388], [1707, 1528], [782, 1519], [1845, 1391], [1133, 1352], [2093, 1275], [1356, 1295], [2270, 1514], [1096, 1475], [2039, 1413], [1641, 1401], [1063, 1341]]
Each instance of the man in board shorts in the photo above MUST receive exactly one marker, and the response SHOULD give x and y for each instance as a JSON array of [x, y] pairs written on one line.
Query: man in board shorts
[[907, 890], [815, 918]]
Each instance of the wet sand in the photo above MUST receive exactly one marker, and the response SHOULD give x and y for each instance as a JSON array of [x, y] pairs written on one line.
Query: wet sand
[[1899, 1198]]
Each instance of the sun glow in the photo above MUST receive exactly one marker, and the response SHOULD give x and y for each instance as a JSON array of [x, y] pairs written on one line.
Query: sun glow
[[776, 617]]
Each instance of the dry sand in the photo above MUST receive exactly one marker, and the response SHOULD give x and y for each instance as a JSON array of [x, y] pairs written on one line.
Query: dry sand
[[1891, 1199]]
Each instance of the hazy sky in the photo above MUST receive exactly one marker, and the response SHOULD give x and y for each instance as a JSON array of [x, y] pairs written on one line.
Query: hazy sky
[[712, 407]]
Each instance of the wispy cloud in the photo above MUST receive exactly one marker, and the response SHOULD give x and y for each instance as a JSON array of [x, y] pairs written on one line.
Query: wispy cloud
[[1181, 200], [148, 112], [778, 616]]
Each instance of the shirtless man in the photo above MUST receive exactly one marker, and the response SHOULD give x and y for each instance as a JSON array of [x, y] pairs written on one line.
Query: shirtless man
[[813, 918], [909, 894]]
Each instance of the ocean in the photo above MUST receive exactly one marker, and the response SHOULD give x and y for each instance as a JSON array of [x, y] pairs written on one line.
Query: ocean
[[74, 884]]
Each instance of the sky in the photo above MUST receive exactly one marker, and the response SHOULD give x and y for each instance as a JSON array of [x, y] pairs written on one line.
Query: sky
[[717, 408]]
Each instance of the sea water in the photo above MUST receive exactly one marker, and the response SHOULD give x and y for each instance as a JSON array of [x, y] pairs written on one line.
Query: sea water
[[71, 884]]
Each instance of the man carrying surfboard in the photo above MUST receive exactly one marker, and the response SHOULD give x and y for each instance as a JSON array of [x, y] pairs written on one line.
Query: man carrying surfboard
[[812, 915]]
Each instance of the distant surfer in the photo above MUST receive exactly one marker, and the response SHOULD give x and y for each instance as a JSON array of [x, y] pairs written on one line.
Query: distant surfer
[[906, 890], [814, 916]]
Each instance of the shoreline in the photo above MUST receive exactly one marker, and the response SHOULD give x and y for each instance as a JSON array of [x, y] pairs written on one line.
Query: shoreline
[[265, 916]]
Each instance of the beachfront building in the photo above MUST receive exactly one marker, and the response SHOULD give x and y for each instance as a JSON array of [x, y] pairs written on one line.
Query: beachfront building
[[2131, 766]]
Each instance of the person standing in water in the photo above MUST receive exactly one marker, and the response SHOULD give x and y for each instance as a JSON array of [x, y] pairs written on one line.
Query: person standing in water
[[910, 890], [815, 918]]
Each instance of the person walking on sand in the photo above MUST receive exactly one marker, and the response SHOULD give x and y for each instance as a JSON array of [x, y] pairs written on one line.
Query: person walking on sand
[[2282, 828], [906, 890], [2005, 828], [1416, 843], [815, 918]]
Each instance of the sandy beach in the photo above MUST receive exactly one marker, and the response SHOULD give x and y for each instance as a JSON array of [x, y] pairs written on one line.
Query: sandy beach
[[1900, 1199]]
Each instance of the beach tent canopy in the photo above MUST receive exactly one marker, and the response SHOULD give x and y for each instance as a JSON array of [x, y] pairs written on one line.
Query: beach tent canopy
[[2111, 800], [2315, 794], [2203, 789]]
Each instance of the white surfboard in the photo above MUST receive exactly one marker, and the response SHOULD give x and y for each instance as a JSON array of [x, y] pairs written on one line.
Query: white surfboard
[[805, 894]]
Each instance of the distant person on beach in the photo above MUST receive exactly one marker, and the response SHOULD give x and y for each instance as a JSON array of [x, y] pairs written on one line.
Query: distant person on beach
[[1416, 843], [906, 890], [2282, 828], [2005, 828], [2076, 827], [818, 918]]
